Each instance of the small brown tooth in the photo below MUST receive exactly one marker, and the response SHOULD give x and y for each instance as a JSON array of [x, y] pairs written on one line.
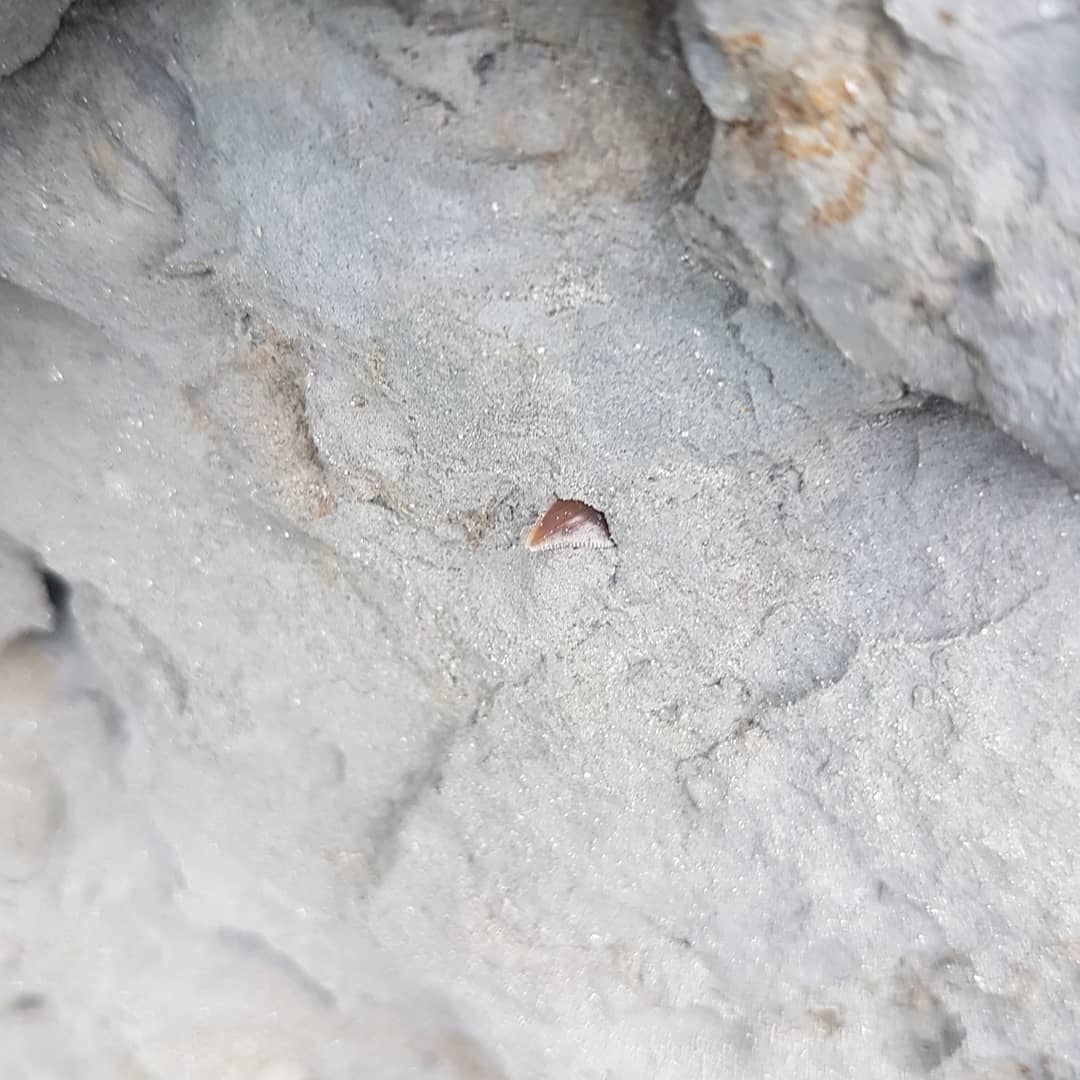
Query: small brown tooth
[[569, 523]]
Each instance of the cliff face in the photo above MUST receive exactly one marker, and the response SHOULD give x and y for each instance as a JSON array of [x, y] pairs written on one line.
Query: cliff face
[[906, 174]]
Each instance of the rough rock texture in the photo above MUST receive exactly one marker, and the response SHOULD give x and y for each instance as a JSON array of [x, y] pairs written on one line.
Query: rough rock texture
[[906, 174], [308, 310], [26, 27]]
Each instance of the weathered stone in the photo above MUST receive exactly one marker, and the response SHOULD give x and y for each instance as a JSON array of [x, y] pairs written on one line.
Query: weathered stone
[[783, 784], [26, 27], [905, 174]]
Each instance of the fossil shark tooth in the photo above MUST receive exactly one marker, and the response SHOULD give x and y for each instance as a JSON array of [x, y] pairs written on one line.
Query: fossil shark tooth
[[569, 523]]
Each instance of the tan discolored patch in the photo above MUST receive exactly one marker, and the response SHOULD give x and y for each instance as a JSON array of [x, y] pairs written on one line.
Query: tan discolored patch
[[740, 42], [828, 1019], [257, 404], [107, 167], [116, 175]]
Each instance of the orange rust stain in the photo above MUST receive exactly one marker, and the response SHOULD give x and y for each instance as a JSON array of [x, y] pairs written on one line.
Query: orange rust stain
[[818, 107], [811, 119], [843, 209], [740, 42], [831, 94], [947, 18]]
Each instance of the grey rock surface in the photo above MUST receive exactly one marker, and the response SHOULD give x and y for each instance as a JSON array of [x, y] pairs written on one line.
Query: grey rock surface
[[906, 174], [308, 310], [26, 28]]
